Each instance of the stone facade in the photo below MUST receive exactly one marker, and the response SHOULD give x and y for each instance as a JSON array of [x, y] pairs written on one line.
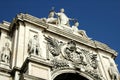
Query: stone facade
[[41, 49]]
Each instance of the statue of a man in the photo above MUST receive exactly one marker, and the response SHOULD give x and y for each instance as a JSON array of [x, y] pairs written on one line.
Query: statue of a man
[[76, 30], [62, 18], [51, 18], [5, 55], [33, 46], [113, 72]]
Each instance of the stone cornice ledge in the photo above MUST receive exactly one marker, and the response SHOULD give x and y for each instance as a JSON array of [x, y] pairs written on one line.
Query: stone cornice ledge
[[5, 70], [5, 27], [105, 47], [30, 77], [31, 19], [35, 59]]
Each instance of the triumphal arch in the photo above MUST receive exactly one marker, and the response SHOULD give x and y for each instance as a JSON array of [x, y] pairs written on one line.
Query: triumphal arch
[[52, 48]]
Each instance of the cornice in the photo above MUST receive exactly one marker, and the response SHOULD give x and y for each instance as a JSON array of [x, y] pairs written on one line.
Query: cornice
[[4, 27]]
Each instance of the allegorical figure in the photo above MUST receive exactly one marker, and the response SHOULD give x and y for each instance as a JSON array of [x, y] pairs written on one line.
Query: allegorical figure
[[51, 18], [113, 72], [62, 18], [5, 55], [76, 30], [33, 46]]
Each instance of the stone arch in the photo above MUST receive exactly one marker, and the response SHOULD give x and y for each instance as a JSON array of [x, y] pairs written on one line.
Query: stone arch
[[69, 72]]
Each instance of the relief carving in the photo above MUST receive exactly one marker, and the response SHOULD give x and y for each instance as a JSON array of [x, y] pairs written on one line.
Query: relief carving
[[70, 50], [74, 54], [58, 64], [94, 62], [69, 55], [95, 75], [54, 46]]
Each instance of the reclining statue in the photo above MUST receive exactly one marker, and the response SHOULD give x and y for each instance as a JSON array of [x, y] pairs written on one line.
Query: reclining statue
[[75, 29]]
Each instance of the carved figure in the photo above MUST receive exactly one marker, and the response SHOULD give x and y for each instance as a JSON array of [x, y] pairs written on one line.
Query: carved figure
[[70, 49], [113, 72], [81, 32], [5, 55], [33, 46], [94, 62], [62, 18], [80, 57]]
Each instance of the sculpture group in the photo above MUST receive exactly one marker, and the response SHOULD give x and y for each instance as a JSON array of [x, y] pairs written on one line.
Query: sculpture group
[[61, 19]]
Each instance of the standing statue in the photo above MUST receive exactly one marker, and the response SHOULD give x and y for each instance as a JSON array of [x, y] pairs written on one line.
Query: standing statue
[[113, 72], [81, 32], [33, 46], [62, 18], [5, 55]]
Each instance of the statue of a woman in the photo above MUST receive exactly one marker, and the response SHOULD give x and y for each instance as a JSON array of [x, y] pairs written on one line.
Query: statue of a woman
[[5, 55], [62, 18]]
